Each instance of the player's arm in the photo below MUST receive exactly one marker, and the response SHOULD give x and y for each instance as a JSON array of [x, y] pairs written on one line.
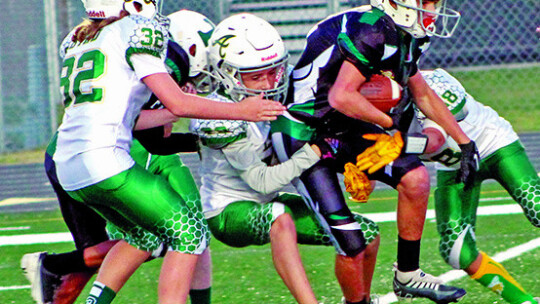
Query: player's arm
[[263, 178], [345, 97], [254, 108], [154, 118], [435, 109]]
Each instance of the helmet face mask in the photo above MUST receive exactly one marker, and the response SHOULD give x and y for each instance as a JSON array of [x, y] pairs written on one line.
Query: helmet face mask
[[409, 15], [244, 43], [192, 31], [278, 72]]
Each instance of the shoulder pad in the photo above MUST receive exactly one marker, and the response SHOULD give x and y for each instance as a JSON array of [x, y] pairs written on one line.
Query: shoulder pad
[[449, 90], [145, 36], [218, 133], [66, 43], [367, 38]]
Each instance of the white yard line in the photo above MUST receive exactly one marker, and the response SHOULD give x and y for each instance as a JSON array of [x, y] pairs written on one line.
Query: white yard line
[[25, 200], [7, 288], [41, 238], [15, 228], [379, 217]]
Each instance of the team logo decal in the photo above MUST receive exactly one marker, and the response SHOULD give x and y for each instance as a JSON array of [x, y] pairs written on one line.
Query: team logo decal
[[205, 36], [222, 42]]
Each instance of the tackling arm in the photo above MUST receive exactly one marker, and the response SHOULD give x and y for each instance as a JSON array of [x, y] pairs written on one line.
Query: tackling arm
[[261, 177], [253, 108], [435, 109]]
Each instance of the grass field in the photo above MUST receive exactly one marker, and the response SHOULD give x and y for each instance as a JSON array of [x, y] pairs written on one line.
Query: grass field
[[247, 275]]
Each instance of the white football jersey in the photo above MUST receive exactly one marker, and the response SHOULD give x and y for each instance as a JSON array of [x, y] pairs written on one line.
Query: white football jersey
[[481, 123], [238, 162], [103, 94]]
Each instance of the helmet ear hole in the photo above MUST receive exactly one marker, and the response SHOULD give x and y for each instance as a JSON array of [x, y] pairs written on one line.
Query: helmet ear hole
[[137, 6], [193, 49], [144, 8]]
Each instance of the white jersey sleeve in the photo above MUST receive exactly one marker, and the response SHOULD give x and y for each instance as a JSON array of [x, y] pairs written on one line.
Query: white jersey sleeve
[[261, 177], [481, 123]]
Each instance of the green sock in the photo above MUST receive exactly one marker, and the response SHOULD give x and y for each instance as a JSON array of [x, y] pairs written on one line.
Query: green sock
[[100, 294], [200, 296], [495, 277]]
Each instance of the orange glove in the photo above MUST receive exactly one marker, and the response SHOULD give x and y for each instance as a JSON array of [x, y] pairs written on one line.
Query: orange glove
[[356, 183], [385, 150]]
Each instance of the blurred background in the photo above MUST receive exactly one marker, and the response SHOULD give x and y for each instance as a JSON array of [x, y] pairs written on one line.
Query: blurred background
[[495, 52]]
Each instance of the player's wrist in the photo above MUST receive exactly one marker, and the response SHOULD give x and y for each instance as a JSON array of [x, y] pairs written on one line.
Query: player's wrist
[[414, 143]]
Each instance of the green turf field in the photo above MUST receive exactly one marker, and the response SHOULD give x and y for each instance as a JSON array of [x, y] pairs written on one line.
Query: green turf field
[[247, 275]]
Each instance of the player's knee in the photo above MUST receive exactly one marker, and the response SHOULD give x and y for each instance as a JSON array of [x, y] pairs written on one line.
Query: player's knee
[[352, 242], [283, 224], [369, 228], [415, 183], [347, 232], [458, 249]]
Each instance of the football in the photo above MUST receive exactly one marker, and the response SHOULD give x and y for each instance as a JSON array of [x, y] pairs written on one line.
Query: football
[[383, 92]]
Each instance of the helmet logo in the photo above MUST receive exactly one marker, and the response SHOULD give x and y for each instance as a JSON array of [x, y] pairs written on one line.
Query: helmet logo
[[96, 14], [222, 42], [269, 57], [205, 36]]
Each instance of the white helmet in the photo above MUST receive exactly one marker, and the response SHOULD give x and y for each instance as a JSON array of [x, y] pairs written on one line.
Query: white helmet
[[409, 15], [246, 43], [103, 9], [146, 8], [192, 31]]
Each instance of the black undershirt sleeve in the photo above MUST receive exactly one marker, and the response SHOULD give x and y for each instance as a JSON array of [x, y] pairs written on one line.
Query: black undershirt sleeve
[[155, 143]]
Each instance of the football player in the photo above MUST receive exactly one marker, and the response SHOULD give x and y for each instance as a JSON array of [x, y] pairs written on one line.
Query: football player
[[502, 158], [59, 278], [240, 177], [325, 107], [125, 44]]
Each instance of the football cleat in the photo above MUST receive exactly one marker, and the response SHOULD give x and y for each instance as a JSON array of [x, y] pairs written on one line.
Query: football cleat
[[43, 282], [422, 285], [28, 265]]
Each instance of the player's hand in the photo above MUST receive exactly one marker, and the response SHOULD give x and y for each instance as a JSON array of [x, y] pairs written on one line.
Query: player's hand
[[470, 162], [328, 147], [256, 108], [385, 150], [356, 183], [397, 112], [167, 129]]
